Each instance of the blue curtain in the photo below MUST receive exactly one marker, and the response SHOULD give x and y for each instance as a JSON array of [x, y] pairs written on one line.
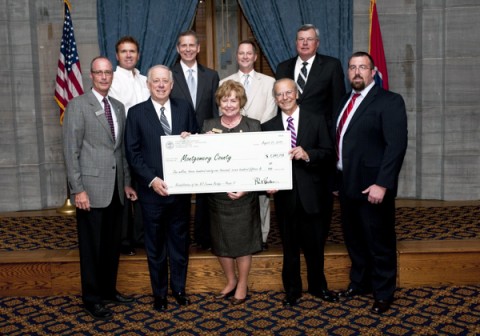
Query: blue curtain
[[155, 24], [275, 23]]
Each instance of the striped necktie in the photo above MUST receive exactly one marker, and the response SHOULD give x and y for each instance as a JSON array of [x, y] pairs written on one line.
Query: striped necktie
[[164, 122], [293, 134], [302, 77]]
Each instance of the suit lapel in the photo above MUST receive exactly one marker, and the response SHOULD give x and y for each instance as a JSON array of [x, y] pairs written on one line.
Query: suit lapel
[[303, 124], [201, 78], [97, 108], [362, 107], [118, 110], [152, 115], [181, 81]]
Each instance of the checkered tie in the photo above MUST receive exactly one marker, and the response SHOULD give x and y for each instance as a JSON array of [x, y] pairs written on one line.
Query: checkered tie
[[302, 77], [164, 122], [108, 115], [293, 134]]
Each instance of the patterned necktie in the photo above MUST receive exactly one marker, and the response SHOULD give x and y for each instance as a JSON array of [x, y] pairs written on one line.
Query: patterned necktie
[[108, 115], [343, 119], [246, 82], [164, 122], [192, 87], [293, 134], [302, 77]]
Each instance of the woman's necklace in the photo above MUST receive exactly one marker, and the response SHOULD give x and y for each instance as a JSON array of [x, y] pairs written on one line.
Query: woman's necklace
[[231, 124]]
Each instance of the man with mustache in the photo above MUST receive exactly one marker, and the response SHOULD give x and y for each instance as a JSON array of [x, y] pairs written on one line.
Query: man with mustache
[[371, 141]]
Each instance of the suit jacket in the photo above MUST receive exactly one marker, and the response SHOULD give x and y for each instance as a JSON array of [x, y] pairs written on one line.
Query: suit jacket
[[261, 103], [374, 143], [142, 142], [207, 85], [311, 181], [325, 85], [92, 158]]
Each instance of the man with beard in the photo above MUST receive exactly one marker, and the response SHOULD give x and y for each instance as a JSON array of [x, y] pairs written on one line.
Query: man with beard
[[371, 141]]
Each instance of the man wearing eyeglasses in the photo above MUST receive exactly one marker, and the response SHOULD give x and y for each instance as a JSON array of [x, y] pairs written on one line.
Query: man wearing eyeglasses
[[98, 177], [371, 141], [303, 213], [319, 78]]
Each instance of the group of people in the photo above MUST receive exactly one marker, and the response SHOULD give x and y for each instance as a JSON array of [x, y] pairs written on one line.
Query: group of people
[[350, 145]]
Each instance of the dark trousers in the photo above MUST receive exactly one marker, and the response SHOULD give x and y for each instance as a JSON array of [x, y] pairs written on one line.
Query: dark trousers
[[302, 231], [369, 231], [99, 245], [132, 222], [166, 243], [201, 224]]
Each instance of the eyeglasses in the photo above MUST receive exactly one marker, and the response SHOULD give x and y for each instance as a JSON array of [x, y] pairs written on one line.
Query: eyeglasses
[[308, 39], [288, 93], [362, 67], [102, 72]]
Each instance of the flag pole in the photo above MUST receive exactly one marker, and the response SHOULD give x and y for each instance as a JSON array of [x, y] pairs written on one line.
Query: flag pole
[[68, 81]]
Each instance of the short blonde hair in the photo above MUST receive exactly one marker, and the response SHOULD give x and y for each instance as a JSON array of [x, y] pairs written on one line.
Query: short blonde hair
[[227, 87]]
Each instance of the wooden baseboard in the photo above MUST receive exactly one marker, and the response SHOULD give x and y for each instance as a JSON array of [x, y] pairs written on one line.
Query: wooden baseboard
[[57, 272]]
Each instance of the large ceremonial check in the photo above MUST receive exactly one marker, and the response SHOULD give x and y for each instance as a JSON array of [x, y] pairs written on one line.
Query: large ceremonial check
[[207, 163]]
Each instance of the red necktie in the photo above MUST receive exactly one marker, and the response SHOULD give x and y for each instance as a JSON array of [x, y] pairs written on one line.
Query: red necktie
[[343, 119]]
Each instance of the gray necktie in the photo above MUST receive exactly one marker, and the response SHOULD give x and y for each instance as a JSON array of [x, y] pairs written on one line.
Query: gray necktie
[[192, 86], [164, 122], [246, 81]]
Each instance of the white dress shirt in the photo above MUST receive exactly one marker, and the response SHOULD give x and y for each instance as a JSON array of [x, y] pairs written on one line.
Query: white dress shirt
[[114, 116], [128, 88]]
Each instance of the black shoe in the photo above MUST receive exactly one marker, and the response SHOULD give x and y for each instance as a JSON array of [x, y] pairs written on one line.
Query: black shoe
[[350, 293], [182, 299], [381, 306], [264, 246], [290, 301], [221, 295], [325, 295], [127, 250], [160, 303], [119, 299], [98, 311]]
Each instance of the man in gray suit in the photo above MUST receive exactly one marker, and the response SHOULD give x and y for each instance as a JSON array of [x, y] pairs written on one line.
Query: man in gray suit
[[260, 105], [98, 175]]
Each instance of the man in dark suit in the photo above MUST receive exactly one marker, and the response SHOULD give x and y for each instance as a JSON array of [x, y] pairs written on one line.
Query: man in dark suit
[[197, 85], [165, 217], [303, 213], [319, 78], [371, 135], [98, 175]]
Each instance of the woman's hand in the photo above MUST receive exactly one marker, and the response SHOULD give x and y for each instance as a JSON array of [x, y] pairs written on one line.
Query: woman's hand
[[236, 195]]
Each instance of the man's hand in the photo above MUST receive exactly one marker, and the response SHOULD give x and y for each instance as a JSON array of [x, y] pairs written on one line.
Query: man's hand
[[82, 201], [160, 187], [375, 193], [298, 153], [131, 193]]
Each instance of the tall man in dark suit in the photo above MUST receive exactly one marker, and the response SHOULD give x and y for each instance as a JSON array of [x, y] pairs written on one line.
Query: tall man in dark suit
[[165, 217], [319, 78], [371, 135], [303, 213], [197, 85], [98, 175]]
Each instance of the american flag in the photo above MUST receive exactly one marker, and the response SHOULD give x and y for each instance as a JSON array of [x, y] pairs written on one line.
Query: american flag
[[376, 48], [69, 74]]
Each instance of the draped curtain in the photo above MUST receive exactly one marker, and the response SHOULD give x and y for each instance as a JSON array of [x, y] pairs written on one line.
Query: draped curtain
[[275, 23], [155, 24]]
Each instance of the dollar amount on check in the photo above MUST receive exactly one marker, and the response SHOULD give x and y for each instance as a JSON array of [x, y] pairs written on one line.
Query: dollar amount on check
[[208, 163]]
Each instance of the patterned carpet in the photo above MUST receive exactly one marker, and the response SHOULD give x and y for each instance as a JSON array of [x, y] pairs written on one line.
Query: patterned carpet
[[425, 311], [420, 223]]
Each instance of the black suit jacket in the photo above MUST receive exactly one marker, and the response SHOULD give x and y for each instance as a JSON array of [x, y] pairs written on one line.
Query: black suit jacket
[[374, 143], [207, 85], [142, 142], [325, 85], [310, 180]]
